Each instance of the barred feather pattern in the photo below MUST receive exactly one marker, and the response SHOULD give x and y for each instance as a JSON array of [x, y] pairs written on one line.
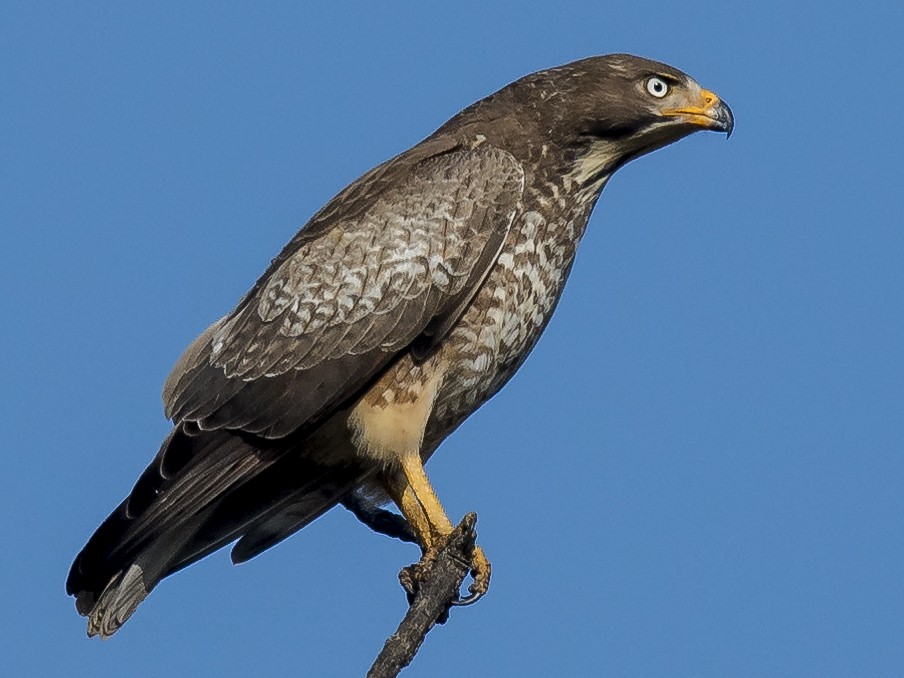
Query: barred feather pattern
[[369, 283]]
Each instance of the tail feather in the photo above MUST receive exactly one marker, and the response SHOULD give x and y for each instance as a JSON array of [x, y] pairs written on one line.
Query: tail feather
[[128, 589], [293, 486], [293, 513], [117, 602], [202, 491]]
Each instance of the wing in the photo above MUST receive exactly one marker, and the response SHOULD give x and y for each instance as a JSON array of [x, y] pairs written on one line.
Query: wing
[[351, 291]]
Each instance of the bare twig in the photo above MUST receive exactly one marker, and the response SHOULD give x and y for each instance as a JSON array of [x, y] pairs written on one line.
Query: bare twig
[[436, 592]]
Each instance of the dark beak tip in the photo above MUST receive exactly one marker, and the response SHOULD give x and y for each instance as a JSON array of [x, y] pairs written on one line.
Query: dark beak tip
[[726, 117]]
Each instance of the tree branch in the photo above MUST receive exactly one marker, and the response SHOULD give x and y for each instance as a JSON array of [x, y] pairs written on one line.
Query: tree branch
[[438, 590]]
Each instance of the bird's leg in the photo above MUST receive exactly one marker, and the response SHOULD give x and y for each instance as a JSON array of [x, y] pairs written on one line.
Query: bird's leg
[[379, 519], [419, 504]]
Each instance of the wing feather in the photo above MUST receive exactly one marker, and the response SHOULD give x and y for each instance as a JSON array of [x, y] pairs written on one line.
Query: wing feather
[[345, 297]]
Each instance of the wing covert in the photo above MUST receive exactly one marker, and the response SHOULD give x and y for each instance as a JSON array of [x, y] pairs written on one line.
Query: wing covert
[[336, 307]]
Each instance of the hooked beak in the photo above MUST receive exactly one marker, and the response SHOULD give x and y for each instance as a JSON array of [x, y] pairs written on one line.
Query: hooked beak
[[710, 113]]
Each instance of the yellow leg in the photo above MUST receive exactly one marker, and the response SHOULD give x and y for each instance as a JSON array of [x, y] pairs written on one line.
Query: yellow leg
[[423, 510], [419, 485], [413, 511]]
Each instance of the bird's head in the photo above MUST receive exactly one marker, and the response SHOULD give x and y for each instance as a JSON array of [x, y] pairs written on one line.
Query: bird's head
[[603, 111], [618, 107], [619, 95]]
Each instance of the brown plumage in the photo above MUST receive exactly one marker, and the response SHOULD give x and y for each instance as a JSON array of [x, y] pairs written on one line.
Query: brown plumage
[[403, 305]]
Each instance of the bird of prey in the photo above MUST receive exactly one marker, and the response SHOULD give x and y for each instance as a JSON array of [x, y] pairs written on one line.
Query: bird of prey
[[405, 303]]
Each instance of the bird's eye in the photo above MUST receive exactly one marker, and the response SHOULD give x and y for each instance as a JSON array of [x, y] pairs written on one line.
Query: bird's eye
[[657, 87]]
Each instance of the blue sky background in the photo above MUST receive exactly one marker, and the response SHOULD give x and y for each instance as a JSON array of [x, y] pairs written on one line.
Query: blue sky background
[[697, 473]]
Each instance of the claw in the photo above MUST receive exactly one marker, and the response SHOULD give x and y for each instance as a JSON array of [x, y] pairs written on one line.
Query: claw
[[469, 599], [410, 577], [480, 571], [473, 558]]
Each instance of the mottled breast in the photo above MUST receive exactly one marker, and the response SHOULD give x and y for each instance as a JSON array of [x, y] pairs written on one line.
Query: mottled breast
[[496, 332]]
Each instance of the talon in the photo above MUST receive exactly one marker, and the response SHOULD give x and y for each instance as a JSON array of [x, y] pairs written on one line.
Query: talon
[[407, 579], [480, 571], [411, 577], [469, 599]]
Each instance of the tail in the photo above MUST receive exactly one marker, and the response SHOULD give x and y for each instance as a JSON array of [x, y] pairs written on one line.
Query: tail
[[203, 490]]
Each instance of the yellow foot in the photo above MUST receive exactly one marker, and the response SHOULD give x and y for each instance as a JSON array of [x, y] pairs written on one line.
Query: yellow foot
[[480, 573], [413, 576]]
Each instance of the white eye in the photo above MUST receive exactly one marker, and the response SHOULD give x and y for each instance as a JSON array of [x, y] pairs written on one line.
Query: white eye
[[657, 87]]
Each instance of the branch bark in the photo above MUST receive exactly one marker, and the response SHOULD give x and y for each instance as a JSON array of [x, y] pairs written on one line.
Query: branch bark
[[431, 602]]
